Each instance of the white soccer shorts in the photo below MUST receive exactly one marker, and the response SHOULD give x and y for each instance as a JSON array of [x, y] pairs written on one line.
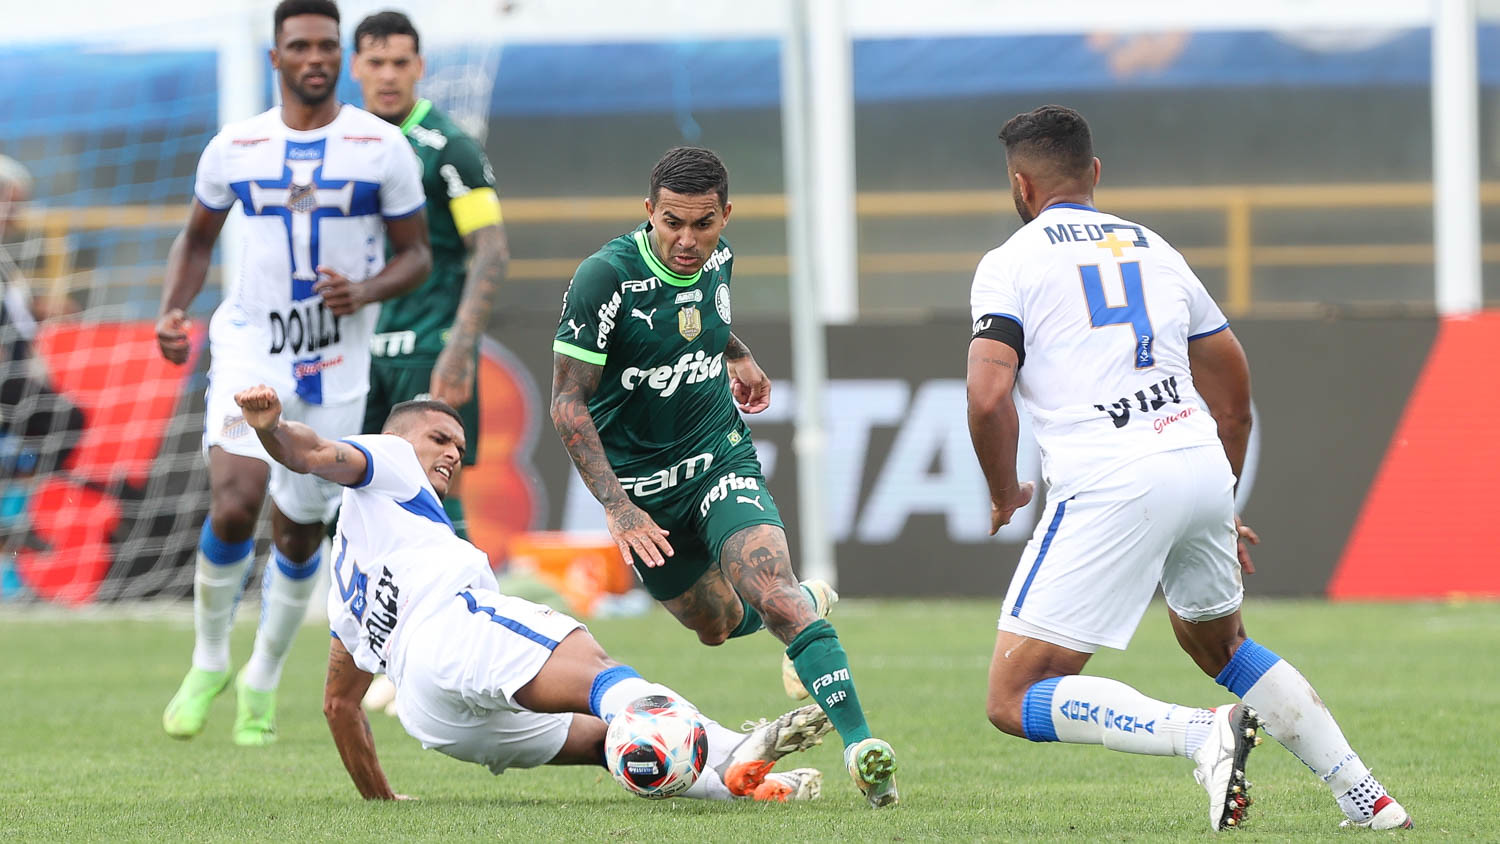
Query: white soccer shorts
[[460, 670], [1093, 564], [305, 499]]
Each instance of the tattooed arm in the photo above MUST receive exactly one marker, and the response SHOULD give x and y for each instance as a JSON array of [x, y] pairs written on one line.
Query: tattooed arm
[[345, 687], [453, 375], [296, 446], [995, 427], [747, 381], [573, 382]]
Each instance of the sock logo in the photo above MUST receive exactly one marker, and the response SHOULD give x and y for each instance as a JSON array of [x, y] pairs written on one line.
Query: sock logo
[[829, 679], [836, 697], [1079, 710]]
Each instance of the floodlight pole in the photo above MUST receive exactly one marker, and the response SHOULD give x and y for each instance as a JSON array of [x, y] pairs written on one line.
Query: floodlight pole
[[809, 353], [1455, 159]]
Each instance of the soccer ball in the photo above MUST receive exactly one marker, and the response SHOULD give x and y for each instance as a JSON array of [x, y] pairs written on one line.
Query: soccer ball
[[656, 746]]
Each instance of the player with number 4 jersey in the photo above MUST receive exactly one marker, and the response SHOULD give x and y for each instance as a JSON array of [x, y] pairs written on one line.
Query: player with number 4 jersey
[[1139, 395]]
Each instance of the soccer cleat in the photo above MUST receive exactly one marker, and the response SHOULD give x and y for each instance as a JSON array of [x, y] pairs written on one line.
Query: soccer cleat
[[783, 786], [1221, 765], [187, 711], [752, 759], [254, 715], [1388, 815], [872, 765], [823, 598]]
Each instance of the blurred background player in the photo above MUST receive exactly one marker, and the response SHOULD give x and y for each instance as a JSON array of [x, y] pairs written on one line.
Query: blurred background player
[[38, 426], [322, 186], [427, 341], [483, 677], [646, 377], [1140, 399]]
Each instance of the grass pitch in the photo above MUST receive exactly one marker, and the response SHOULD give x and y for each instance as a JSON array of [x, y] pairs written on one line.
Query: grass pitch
[[83, 756]]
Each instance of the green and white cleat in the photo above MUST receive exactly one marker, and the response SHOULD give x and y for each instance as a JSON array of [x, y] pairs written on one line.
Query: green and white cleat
[[187, 711], [823, 598], [872, 765], [254, 715]]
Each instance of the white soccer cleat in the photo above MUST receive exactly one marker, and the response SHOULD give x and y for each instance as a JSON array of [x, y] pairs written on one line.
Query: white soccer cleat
[[1388, 815], [381, 696], [784, 786], [823, 600], [752, 759], [1221, 765]]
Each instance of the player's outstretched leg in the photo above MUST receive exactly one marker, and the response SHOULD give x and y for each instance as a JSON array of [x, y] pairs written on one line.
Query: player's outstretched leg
[[580, 677], [1036, 693], [286, 587], [1293, 714], [755, 560]]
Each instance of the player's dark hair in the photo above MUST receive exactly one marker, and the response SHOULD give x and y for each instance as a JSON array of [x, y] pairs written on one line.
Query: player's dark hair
[[292, 8], [690, 171], [382, 25], [1054, 133], [407, 408]]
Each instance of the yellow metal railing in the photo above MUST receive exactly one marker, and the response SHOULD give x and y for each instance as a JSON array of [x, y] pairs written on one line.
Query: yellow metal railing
[[1238, 204]]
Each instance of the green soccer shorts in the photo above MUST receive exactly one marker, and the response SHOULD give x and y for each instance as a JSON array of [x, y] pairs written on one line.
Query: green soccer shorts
[[392, 383], [701, 513]]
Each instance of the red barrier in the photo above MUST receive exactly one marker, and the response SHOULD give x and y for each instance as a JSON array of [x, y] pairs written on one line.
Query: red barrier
[[1424, 530]]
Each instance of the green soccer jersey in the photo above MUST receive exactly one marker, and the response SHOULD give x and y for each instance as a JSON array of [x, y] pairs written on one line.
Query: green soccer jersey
[[460, 188], [664, 396]]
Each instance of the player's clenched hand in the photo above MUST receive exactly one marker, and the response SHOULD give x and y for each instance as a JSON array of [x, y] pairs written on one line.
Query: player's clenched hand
[[261, 407], [342, 296], [749, 384], [1244, 537], [172, 335], [1002, 510], [637, 535]]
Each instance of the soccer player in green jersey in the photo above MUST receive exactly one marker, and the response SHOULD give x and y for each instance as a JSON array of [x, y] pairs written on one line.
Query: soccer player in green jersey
[[646, 376], [426, 343]]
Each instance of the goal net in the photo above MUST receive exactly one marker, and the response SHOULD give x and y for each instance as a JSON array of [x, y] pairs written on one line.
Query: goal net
[[103, 483]]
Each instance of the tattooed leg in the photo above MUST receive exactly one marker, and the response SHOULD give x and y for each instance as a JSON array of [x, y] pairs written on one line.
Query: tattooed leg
[[757, 562], [711, 608]]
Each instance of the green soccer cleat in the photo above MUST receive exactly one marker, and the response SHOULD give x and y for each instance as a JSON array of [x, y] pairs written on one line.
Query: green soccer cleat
[[254, 715], [187, 711], [823, 598], [872, 765]]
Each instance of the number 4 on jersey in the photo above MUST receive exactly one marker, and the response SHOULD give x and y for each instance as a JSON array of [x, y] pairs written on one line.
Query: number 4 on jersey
[[1132, 313]]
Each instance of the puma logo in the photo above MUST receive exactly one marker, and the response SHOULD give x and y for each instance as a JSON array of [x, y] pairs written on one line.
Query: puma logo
[[576, 328], [740, 499], [636, 312]]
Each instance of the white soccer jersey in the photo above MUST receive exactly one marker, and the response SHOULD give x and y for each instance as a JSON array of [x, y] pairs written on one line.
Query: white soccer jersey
[[1107, 308], [396, 557], [315, 198]]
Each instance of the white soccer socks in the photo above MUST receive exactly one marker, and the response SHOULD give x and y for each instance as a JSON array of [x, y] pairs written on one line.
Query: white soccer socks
[[217, 580], [614, 689], [286, 588], [1097, 710], [1294, 715]]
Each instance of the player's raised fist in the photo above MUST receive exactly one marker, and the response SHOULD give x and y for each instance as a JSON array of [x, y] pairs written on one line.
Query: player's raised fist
[[261, 406], [341, 295], [172, 335]]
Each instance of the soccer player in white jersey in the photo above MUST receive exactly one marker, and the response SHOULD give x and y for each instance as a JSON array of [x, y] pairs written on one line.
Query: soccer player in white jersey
[[482, 677], [1139, 395], [322, 186]]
